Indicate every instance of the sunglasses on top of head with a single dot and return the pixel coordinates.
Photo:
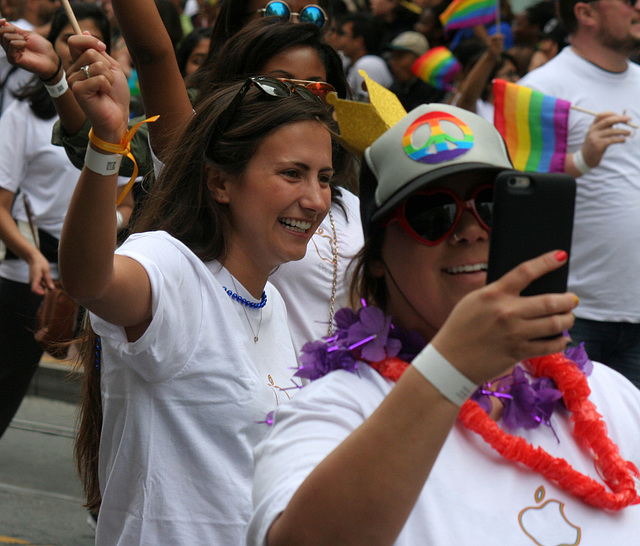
(431, 216)
(275, 88)
(318, 88)
(311, 13)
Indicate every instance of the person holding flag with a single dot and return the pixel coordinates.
(594, 73)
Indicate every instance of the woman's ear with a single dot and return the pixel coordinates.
(218, 184)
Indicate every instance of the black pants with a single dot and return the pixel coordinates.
(19, 353)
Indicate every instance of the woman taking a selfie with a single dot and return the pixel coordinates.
(193, 347)
(380, 451)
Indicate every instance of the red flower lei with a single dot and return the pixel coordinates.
(588, 428)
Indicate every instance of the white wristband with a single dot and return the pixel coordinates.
(58, 89)
(579, 163)
(99, 163)
(436, 369)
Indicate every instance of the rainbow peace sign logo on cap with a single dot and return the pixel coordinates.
(439, 145)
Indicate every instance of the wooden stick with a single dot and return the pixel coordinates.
(594, 114)
(72, 17)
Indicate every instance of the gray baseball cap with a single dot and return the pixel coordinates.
(411, 41)
(430, 142)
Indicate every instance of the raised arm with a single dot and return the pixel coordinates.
(32, 52)
(161, 84)
(114, 287)
(471, 88)
(353, 499)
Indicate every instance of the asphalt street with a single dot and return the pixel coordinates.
(40, 493)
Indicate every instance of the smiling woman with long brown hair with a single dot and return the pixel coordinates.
(193, 346)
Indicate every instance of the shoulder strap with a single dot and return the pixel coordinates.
(32, 226)
(12, 70)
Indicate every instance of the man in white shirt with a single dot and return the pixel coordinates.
(594, 73)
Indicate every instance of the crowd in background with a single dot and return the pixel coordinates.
(185, 77)
(359, 29)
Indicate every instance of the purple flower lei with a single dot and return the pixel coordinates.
(369, 335)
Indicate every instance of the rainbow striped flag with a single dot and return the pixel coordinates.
(468, 13)
(533, 125)
(437, 67)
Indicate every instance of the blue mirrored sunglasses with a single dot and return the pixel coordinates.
(309, 14)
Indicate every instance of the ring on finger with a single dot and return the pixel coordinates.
(85, 69)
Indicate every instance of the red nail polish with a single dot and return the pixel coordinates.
(561, 255)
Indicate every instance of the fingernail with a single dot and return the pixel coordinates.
(576, 301)
(561, 255)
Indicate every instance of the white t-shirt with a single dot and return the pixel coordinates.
(375, 67)
(605, 256)
(40, 170)
(182, 404)
(305, 285)
(473, 495)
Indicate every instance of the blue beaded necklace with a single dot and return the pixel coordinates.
(246, 302)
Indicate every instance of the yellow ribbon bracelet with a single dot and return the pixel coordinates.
(122, 148)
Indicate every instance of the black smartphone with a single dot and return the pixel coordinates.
(532, 214)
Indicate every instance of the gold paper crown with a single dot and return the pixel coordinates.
(362, 123)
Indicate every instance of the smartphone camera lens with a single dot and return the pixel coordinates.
(519, 182)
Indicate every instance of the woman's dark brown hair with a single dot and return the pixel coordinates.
(365, 284)
(181, 204)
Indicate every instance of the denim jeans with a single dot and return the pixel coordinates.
(616, 344)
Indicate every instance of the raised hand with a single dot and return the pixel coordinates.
(495, 44)
(28, 50)
(100, 87)
(494, 327)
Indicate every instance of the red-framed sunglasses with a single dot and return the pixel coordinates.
(431, 216)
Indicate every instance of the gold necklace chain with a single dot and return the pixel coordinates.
(334, 284)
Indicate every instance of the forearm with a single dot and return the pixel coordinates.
(473, 85)
(72, 117)
(143, 31)
(14, 239)
(354, 499)
(88, 240)
(161, 85)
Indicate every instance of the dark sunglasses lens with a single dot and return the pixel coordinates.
(277, 9)
(272, 87)
(312, 14)
(430, 216)
(484, 205)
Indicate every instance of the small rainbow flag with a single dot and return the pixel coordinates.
(533, 125)
(437, 67)
(468, 13)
